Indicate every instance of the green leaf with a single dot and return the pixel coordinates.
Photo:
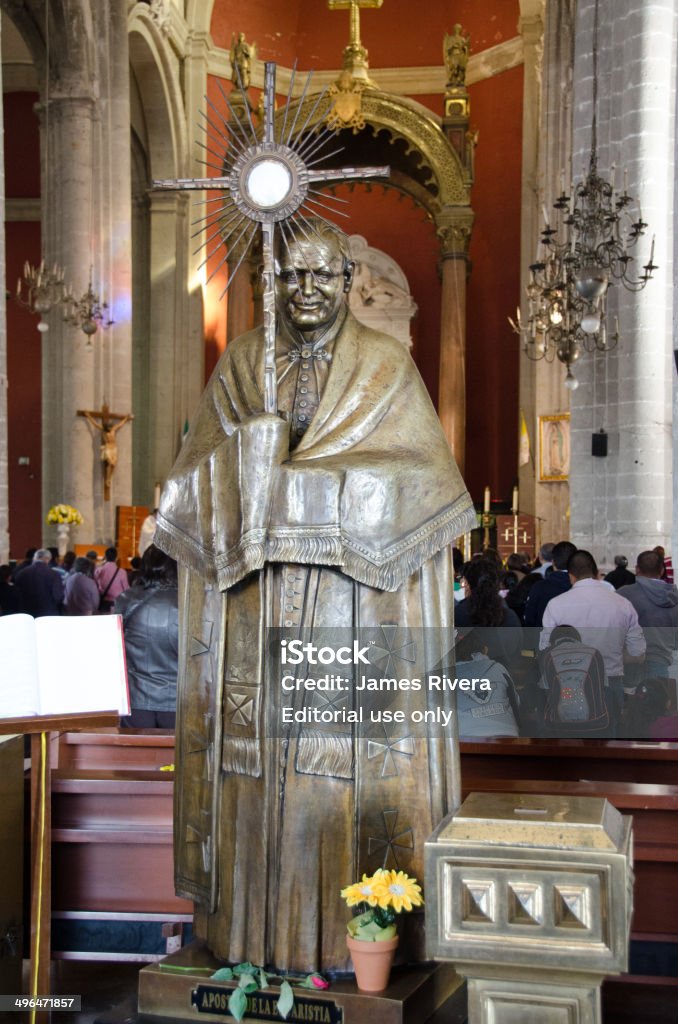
(248, 983)
(246, 968)
(237, 1003)
(286, 1000)
(223, 974)
(263, 978)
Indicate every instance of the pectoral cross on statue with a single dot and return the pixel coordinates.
(104, 421)
(267, 181)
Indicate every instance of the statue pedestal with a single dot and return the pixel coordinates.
(530, 898)
(180, 988)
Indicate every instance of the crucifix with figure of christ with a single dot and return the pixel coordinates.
(267, 178)
(108, 424)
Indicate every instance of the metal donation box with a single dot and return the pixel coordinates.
(531, 898)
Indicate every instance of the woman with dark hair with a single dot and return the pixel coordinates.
(483, 607)
(150, 619)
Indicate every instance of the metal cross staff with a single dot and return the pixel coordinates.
(267, 183)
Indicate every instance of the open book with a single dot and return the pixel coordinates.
(60, 664)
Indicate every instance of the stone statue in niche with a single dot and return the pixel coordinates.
(380, 296)
(456, 47)
(339, 513)
(242, 55)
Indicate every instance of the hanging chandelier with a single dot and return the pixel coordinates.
(88, 313)
(39, 289)
(584, 249)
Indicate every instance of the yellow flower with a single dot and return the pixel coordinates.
(360, 892)
(395, 889)
(64, 514)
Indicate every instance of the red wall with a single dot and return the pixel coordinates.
(492, 352)
(22, 239)
(308, 31)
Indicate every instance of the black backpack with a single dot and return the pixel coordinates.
(575, 679)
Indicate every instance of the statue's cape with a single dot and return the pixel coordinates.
(372, 487)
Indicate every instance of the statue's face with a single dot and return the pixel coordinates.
(311, 282)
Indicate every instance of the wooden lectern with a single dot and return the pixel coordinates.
(39, 728)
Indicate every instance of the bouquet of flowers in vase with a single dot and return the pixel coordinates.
(64, 515)
(380, 899)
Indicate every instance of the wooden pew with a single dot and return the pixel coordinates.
(112, 833)
(115, 750)
(609, 760)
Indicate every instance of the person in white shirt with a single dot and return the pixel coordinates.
(147, 532)
(604, 619)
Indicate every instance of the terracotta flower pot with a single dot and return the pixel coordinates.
(372, 962)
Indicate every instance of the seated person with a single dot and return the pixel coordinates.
(573, 674)
(489, 711)
(645, 713)
(484, 608)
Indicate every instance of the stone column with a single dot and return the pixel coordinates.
(622, 503)
(142, 480)
(4, 491)
(71, 467)
(168, 355)
(85, 191)
(195, 88)
(548, 42)
(454, 230)
(114, 233)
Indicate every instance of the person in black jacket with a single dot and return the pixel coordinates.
(39, 588)
(620, 575)
(555, 583)
(150, 618)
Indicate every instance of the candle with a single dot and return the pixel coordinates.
(514, 503)
(626, 178)
(486, 502)
(652, 249)
(156, 496)
(545, 213)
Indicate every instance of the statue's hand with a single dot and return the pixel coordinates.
(265, 438)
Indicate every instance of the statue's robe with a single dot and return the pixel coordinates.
(351, 529)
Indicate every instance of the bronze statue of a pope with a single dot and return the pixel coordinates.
(338, 513)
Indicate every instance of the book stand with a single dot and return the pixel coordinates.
(38, 727)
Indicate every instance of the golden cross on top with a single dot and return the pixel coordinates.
(354, 7)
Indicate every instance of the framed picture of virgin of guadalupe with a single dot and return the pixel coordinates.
(554, 447)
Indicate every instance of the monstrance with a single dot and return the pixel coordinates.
(266, 183)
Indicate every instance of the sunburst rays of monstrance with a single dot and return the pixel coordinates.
(265, 183)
